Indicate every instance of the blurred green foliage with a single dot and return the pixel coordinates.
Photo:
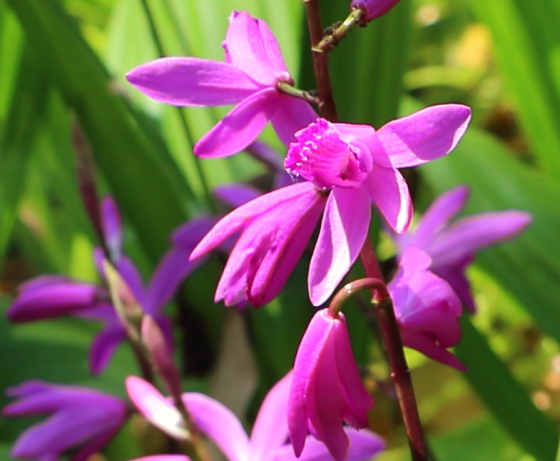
(63, 64)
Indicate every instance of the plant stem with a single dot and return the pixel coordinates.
(388, 325)
(400, 373)
(327, 106)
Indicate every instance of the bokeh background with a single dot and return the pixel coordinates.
(62, 66)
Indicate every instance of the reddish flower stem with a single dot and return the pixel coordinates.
(327, 106)
(400, 373)
(388, 325)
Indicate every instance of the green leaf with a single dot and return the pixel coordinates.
(504, 396)
(527, 42)
(140, 173)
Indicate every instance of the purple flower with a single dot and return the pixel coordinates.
(249, 77)
(348, 168)
(327, 389)
(453, 246)
(54, 296)
(163, 458)
(81, 420)
(373, 8)
(427, 309)
(275, 230)
(270, 431)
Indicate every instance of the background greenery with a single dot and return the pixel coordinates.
(62, 66)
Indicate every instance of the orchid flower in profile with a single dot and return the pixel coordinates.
(327, 389)
(249, 77)
(51, 296)
(269, 437)
(81, 420)
(426, 308)
(347, 169)
(373, 8)
(452, 246)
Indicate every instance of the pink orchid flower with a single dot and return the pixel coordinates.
(249, 77)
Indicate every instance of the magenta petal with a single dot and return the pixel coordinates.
(131, 275)
(112, 226)
(457, 279)
(438, 214)
(236, 195)
(424, 135)
(174, 266)
(389, 191)
(158, 410)
(270, 430)
(428, 347)
(267, 251)
(314, 339)
(343, 232)
(364, 444)
(238, 218)
(240, 126)
(163, 458)
(291, 115)
(219, 424)
(192, 82)
(52, 296)
(471, 234)
(103, 347)
(251, 46)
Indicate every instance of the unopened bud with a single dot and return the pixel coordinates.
(373, 8)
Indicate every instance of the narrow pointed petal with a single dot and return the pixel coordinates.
(471, 234)
(428, 347)
(438, 214)
(251, 46)
(389, 191)
(343, 232)
(163, 458)
(363, 445)
(131, 276)
(174, 267)
(291, 115)
(425, 135)
(112, 226)
(219, 424)
(238, 218)
(103, 347)
(52, 296)
(158, 410)
(270, 430)
(236, 195)
(192, 82)
(240, 126)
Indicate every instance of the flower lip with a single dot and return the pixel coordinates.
(323, 156)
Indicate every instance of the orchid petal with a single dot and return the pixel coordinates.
(174, 267)
(158, 410)
(343, 232)
(420, 342)
(438, 214)
(240, 126)
(389, 191)
(236, 195)
(251, 47)
(192, 82)
(239, 217)
(103, 347)
(163, 458)
(473, 233)
(219, 424)
(425, 135)
(270, 430)
(112, 226)
(363, 445)
(457, 279)
(291, 115)
(131, 276)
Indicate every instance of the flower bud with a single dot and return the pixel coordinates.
(373, 8)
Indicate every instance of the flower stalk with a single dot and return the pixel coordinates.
(381, 301)
(400, 374)
(331, 40)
